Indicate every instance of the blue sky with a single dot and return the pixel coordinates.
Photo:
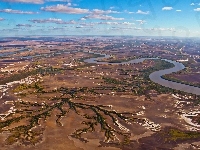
(100, 17)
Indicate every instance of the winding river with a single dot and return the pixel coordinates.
(157, 75)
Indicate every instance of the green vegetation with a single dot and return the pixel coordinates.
(145, 84)
(82, 66)
(17, 77)
(175, 134)
(21, 87)
(141, 83)
(113, 81)
(94, 116)
(22, 75)
(174, 79)
(49, 71)
(114, 60)
(169, 78)
(36, 85)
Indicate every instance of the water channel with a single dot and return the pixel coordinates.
(155, 76)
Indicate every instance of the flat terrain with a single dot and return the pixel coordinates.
(54, 100)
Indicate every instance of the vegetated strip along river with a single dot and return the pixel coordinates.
(157, 75)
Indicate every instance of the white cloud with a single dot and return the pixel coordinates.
(1, 19)
(65, 9)
(111, 23)
(82, 19)
(55, 28)
(58, 1)
(98, 11)
(167, 8)
(142, 12)
(129, 12)
(68, 1)
(17, 11)
(69, 22)
(71, 10)
(124, 28)
(197, 9)
(79, 26)
(102, 17)
(87, 24)
(108, 23)
(161, 29)
(141, 21)
(24, 25)
(50, 20)
(127, 23)
(147, 29)
(26, 1)
(178, 10)
(192, 4)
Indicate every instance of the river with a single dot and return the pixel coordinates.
(157, 75)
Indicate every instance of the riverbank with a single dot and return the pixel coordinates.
(157, 75)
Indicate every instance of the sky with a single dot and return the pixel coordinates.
(100, 17)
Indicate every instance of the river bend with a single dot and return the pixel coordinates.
(157, 75)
